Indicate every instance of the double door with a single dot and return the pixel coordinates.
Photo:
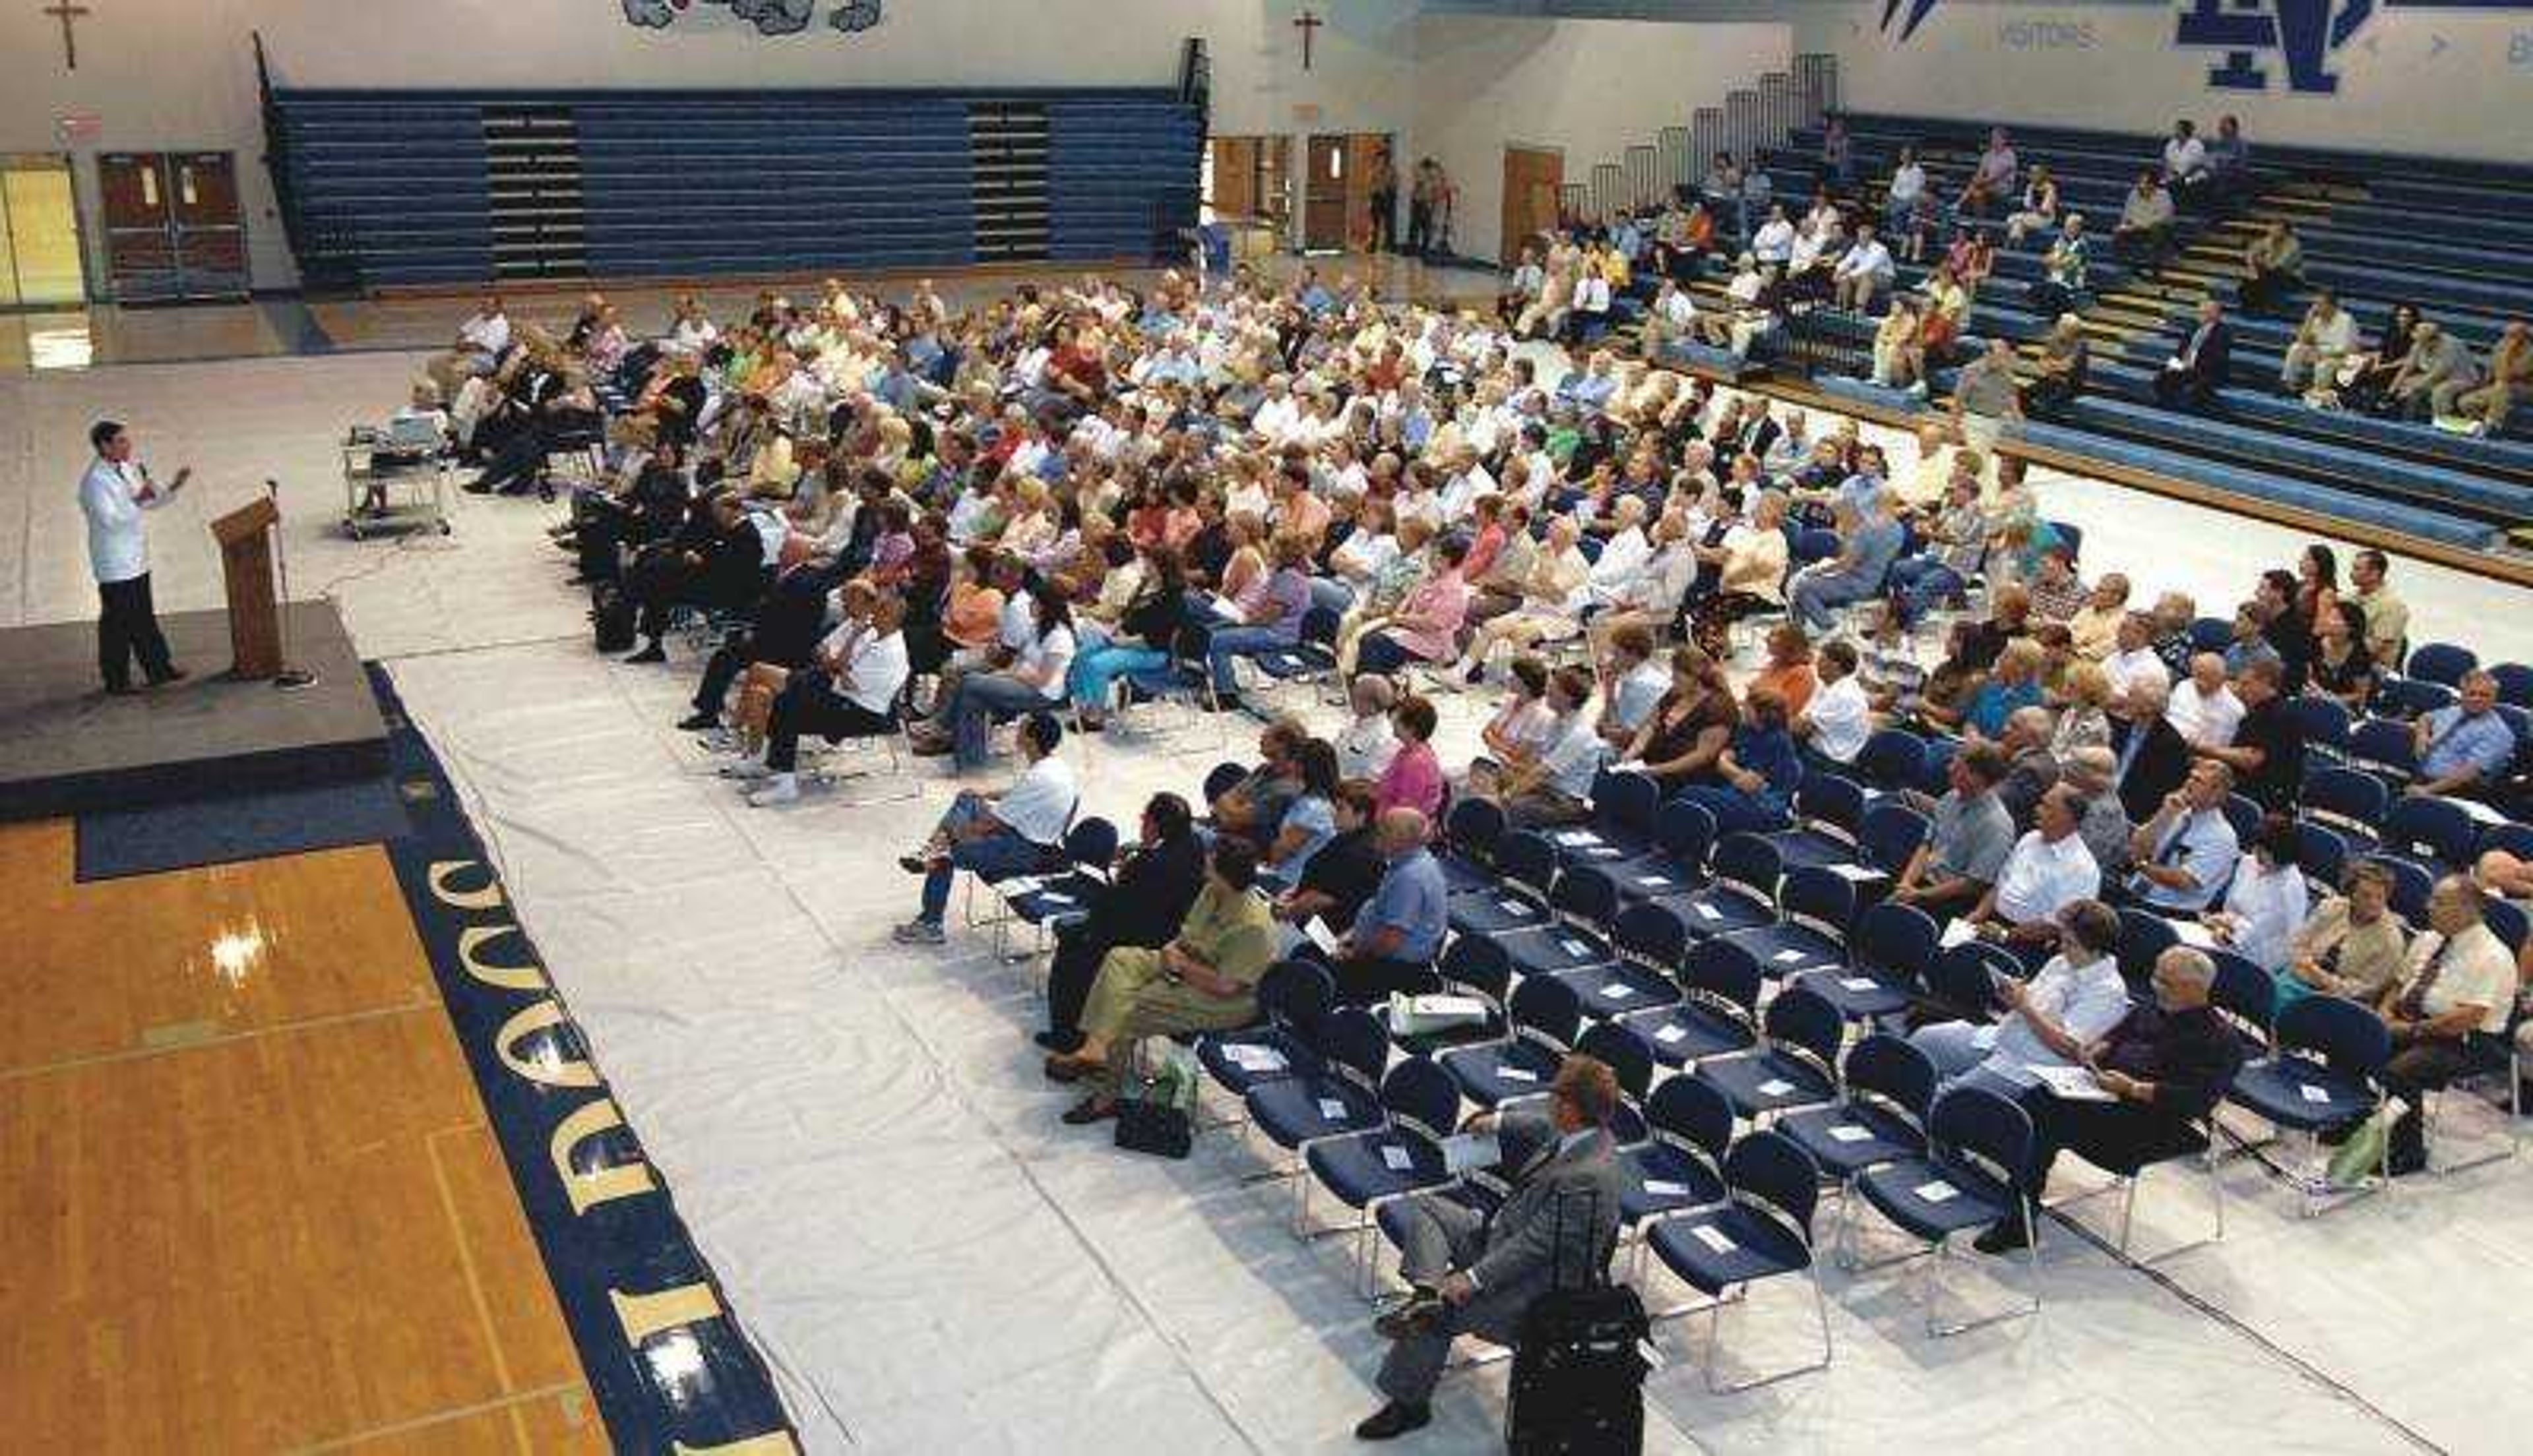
(174, 229)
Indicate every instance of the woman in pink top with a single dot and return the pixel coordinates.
(1426, 627)
(1414, 778)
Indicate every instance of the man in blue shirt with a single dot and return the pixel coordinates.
(2463, 749)
(2186, 853)
(1398, 931)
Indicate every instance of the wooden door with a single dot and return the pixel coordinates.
(1361, 148)
(140, 234)
(210, 227)
(1235, 177)
(1325, 171)
(1532, 176)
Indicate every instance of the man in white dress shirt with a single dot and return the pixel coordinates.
(113, 493)
(2050, 870)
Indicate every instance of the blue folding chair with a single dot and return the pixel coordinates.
(2244, 998)
(1888, 956)
(1471, 966)
(1339, 1094)
(2514, 683)
(2412, 883)
(1624, 808)
(2408, 699)
(1889, 839)
(2210, 634)
(2324, 1075)
(1544, 1018)
(1090, 847)
(2325, 722)
(1880, 1116)
(2437, 835)
(1961, 981)
(1762, 1231)
(2441, 663)
(1646, 948)
(1293, 997)
(1472, 831)
(1310, 660)
(1828, 809)
(1679, 1164)
(1584, 904)
(2144, 936)
(1976, 1171)
(1631, 1064)
(2386, 749)
(1815, 906)
(2321, 854)
(1937, 776)
(1795, 1063)
(1891, 760)
(2351, 801)
(1740, 894)
(1419, 1107)
(1518, 900)
(1717, 1012)
(1676, 866)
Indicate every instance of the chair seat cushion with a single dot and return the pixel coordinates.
(1809, 847)
(1057, 896)
(1463, 875)
(1849, 1139)
(1295, 662)
(1502, 1073)
(1554, 948)
(1859, 995)
(1213, 1054)
(1783, 951)
(1652, 876)
(1714, 1251)
(1368, 1166)
(1597, 848)
(1934, 1199)
(1764, 1083)
(1494, 910)
(1620, 988)
(1719, 911)
(1689, 1032)
(1296, 1109)
(1662, 1179)
(2305, 1095)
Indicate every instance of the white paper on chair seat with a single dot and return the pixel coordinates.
(1956, 932)
(1788, 958)
(1320, 935)
(1936, 1192)
(1017, 885)
(1333, 1109)
(1621, 991)
(1858, 874)
(1515, 1074)
(1708, 910)
(2475, 810)
(1572, 947)
(2192, 933)
(1654, 882)
(1669, 1034)
(1396, 1157)
(1662, 1190)
(1052, 896)
(1250, 1058)
(1514, 907)
(1859, 984)
(2312, 1093)
(1576, 838)
(1465, 1150)
(1712, 1236)
(1775, 1086)
(1850, 1133)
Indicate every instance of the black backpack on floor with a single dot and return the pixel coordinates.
(1578, 1385)
(611, 615)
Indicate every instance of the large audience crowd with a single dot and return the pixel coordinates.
(893, 516)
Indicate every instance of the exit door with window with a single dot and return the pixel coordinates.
(39, 238)
(173, 227)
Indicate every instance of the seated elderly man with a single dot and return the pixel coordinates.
(1967, 844)
(1017, 831)
(1205, 979)
(1398, 933)
(2050, 1021)
(2091, 771)
(2459, 986)
(2464, 749)
(2185, 852)
(2048, 870)
(1254, 807)
(1472, 1273)
(2165, 1066)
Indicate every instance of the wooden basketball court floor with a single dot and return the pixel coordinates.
(250, 1201)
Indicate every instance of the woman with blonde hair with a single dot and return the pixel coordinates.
(2085, 721)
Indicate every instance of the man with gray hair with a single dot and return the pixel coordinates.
(2105, 827)
(2164, 1066)
(2033, 769)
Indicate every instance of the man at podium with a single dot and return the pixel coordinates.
(113, 494)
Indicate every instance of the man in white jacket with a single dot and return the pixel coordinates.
(113, 493)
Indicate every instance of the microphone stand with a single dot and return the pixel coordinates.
(289, 678)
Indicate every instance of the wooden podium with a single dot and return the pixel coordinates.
(255, 615)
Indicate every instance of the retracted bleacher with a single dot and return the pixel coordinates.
(388, 189)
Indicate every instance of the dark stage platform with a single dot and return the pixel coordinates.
(68, 748)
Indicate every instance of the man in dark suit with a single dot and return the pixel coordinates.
(2190, 377)
(1142, 906)
(2154, 757)
(1473, 1274)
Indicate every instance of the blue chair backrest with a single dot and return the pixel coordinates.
(2383, 743)
(1626, 1054)
(1220, 779)
(2324, 720)
(1653, 933)
(1587, 895)
(1478, 962)
(1977, 1127)
(1964, 976)
(1889, 1067)
(2431, 829)
(2210, 634)
(1693, 1112)
(1897, 938)
(2321, 852)
(2512, 838)
(1296, 994)
(1889, 834)
(2072, 535)
(1936, 776)
(1352, 1038)
(2412, 883)
(1548, 1006)
(1685, 831)
(1818, 899)
(1769, 1168)
(2242, 992)
(1319, 625)
(1590, 545)
(2514, 683)
(1091, 844)
(2347, 798)
(1419, 1094)
(1750, 862)
(1627, 802)
(1474, 828)
(2144, 936)
(2244, 815)
(1725, 972)
(1805, 1019)
(2408, 698)
(1816, 544)
(1828, 799)
(2508, 922)
(2347, 1037)
(1892, 759)
(2441, 663)
(1527, 858)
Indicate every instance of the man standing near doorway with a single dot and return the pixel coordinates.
(1384, 202)
(113, 493)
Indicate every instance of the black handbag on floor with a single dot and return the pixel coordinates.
(611, 615)
(1156, 1109)
(1578, 1385)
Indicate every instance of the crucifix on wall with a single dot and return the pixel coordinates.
(1308, 25)
(70, 15)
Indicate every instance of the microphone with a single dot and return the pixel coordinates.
(272, 488)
